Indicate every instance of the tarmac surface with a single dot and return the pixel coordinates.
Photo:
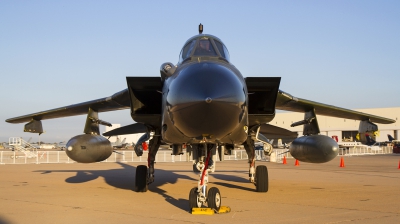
(366, 190)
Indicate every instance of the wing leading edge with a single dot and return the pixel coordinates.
(288, 102)
(117, 101)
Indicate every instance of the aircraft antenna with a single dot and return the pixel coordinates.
(200, 28)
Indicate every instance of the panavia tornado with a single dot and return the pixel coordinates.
(204, 103)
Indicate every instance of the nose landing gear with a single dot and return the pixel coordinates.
(198, 196)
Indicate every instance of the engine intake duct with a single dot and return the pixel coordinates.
(314, 149)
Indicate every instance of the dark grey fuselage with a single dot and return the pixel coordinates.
(205, 101)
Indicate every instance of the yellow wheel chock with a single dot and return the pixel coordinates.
(210, 211)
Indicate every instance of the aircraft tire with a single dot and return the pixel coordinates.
(261, 179)
(214, 198)
(194, 199)
(141, 179)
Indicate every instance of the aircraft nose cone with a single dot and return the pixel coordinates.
(206, 99)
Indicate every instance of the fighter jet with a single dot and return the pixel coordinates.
(205, 103)
(390, 137)
(62, 145)
(118, 144)
(6, 145)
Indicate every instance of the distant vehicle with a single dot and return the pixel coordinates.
(371, 142)
(47, 146)
(396, 146)
(347, 145)
(377, 146)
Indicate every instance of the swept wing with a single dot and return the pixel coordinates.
(288, 102)
(117, 101)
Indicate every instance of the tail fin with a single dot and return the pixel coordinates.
(118, 141)
(123, 141)
(370, 141)
(280, 144)
(390, 138)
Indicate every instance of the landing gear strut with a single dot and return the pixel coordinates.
(258, 176)
(145, 174)
(198, 196)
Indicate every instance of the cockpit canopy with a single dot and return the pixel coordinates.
(204, 45)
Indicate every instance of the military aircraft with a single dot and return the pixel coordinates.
(118, 144)
(6, 145)
(62, 145)
(205, 103)
(390, 137)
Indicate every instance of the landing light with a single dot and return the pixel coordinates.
(69, 148)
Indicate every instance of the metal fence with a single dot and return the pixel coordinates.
(365, 150)
(16, 157)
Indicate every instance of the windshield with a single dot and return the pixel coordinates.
(187, 50)
(204, 47)
(222, 50)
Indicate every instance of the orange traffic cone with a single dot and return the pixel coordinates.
(297, 163)
(284, 160)
(341, 162)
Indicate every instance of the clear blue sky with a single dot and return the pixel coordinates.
(57, 53)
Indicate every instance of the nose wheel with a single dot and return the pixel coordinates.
(194, 199)
(214, 199)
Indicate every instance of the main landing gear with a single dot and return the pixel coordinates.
(141, 179)
(258, 176)
(198, 196)
(145, 174)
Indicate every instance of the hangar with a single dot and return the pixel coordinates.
(345, 129)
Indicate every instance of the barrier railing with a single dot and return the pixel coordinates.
(365, 150)
(16, 157)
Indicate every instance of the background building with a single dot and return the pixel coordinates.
(343, 128)
(133, 138)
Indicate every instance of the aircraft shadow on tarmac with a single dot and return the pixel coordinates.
(226, 177)
(230, 178)
(124, 179)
